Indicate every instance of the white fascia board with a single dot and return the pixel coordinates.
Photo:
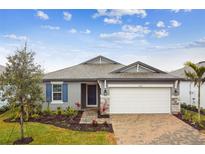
(56, 82)
(139, 85)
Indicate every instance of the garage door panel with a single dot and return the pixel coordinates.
(140, 100)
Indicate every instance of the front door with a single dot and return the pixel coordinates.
(91, 99)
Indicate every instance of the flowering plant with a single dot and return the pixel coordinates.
(78, 105)
(104, 107)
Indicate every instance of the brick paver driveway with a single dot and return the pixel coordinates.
(154, 129)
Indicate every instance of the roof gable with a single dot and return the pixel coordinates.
(100, 60)
(138, 67)
(181, 72)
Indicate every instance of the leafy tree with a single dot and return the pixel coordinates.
(21, 82)
(197, 76)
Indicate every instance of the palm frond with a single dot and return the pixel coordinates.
(190, 75)
(201, 71)
(193, 66)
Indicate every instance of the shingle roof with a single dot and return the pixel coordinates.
(138, 63)
(180, 72)
(2, 68)
(86, 71)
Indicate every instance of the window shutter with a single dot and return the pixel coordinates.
(65, 92)
(48, 92)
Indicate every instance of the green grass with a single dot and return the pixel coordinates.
(49, 134)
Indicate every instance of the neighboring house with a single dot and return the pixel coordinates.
(188, 92)
(2, 68)
(135, 88)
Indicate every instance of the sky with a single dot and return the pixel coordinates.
(165, 39)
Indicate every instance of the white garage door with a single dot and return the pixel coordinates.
(139, 100)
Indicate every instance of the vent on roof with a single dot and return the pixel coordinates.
(138, 67)
(100, 60)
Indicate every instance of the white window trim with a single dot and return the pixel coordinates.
(57, 101)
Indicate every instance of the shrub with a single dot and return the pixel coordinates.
(203, 111)
(59, 111)
(47, 112)
(38, 109)
(189, 107)
(71, 111)
(194, 108)
(194, 119)
(187, 116)
(183, 111)
(183, 105)
(35, 116)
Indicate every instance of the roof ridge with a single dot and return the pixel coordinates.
(100, 56)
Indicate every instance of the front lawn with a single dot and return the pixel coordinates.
(49, 134)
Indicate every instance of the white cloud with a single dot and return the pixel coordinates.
(128, 34)
(67, 16)
(160, 24)
(42, 15)
(73, 31)
(119, 37)
(120, 12)
(161, 33)
(175, 23)
(50, 27)
(15, 37)
(138, 29)
(87, 31)
(147, 23)
(180, 10)
(195, 44)
(112, 20)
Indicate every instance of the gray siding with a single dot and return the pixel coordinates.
(74, 95)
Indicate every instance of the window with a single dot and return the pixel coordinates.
(57, 92)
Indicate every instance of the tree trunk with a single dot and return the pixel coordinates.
(21, 121)
(199, 108)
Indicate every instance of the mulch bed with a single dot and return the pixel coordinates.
(72, 123)
(25, 140)
(92, 128)
(56, 119)
(196, 126)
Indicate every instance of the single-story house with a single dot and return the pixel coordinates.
(2, 68)
(100, 82)
(188, 92)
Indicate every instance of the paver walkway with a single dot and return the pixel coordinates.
(154, 129)
(91, 114)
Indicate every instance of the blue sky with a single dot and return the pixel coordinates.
(61, 38)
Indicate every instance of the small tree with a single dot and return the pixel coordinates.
(197, 76)
(21, 82)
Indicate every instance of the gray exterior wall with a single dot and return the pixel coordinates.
(74, 95)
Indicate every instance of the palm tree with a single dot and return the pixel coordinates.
(197, 76)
